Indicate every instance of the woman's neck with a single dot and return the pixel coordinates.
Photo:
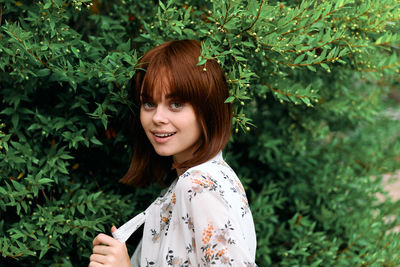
(180, 171)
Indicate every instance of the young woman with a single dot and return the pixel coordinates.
(204, 217)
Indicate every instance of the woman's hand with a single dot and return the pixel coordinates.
(109, 252)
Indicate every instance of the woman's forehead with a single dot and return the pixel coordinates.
(156, 87)
(156, 93)
(165, 83)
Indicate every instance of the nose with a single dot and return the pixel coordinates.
(160, 115)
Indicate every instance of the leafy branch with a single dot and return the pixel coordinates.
(27, 49)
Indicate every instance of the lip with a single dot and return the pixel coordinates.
(162, 140)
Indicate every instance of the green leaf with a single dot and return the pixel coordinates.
(81, 208)
(45, 181)
(43, 72)
(95, 141)
(230, 99)
(15, 119)
(187, 13)
(299, 58)
(339, 3)
(161, 5)
(325, 66)
(47, 4)
(312, 68)
(3, 191)
(202, 61)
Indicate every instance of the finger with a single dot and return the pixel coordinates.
(97, 258)
(104, 239)
(102, 250)
(113, 229)
(95, 264)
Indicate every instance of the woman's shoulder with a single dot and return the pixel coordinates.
(213, 165)
(214, 176)
(214, 169)
(198, 177)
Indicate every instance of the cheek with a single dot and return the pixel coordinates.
(196, 129)
(199, 130)
(143, 119)
(196, 126)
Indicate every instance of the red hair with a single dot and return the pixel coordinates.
(204, 87)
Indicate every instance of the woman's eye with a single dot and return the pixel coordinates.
(148, 105)
(176, 105)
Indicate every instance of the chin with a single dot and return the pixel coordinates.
(163, 153)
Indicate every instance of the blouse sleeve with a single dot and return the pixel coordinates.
(216, 229)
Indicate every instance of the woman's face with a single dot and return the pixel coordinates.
(171, 127)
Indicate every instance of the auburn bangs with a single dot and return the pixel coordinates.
(173, 71)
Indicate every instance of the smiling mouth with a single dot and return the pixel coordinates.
(164, 135)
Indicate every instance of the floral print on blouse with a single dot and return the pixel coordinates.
(203, 219)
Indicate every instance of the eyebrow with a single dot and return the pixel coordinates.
(169, 96)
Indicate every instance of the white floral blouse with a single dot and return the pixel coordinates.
(203, 219)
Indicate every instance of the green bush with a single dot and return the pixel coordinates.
(313, 77)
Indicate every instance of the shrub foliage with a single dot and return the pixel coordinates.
(310, 81)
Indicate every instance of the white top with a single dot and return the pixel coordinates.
(202, 219)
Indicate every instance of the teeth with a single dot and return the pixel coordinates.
(163, 135)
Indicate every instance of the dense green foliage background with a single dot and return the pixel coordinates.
(318, 79)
